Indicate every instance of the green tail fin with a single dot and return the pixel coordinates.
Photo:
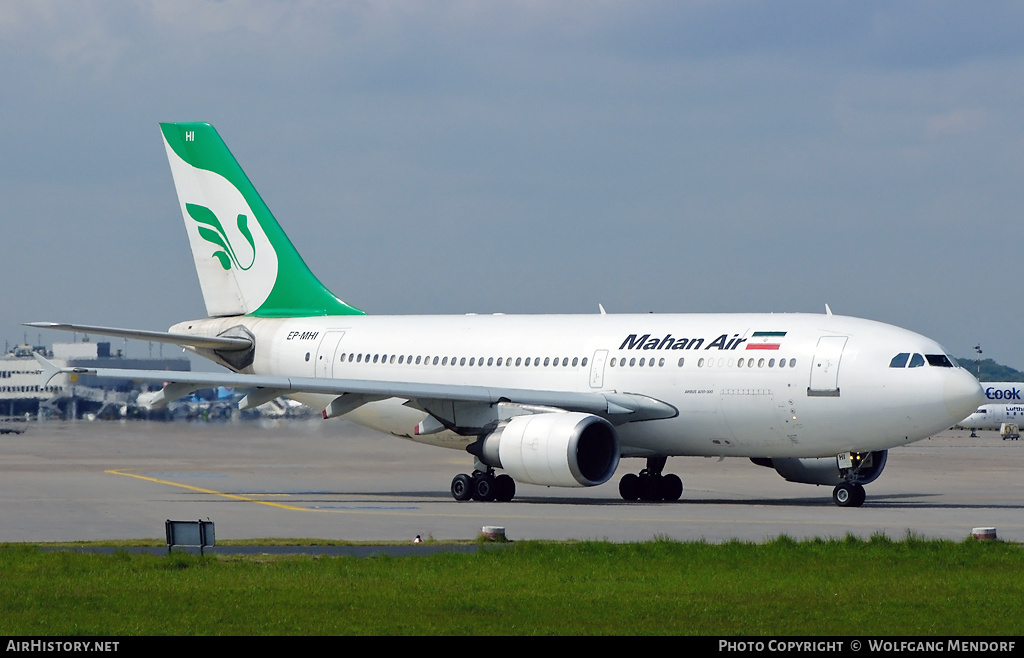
(246, 263)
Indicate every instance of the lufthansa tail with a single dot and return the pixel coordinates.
(246, 263)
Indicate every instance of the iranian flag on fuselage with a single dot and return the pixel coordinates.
(765, 340)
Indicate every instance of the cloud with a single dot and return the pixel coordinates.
(561, 153)
(956, 122)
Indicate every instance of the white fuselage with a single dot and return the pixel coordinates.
(992, 416)
(751, 385)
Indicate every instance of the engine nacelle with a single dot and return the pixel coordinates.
(825, 470)
(559, 449)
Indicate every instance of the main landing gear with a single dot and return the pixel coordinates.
(483, 486)
(849, 494)
(651, 484)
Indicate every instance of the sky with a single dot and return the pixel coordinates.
(530, 157)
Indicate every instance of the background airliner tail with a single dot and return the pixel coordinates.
(246, 263)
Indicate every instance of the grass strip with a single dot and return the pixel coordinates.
(784, 587)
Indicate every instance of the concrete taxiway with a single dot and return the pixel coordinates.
(335, 480)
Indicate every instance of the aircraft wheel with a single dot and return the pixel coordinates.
(650, 487)
(848, 495)
(671, 487)
(859, 495)
(483, 488)
(462, 487)
(629, 487)
(504, 488)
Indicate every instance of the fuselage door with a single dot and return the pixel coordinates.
(326, 353)
(825, 367)
(597, 369)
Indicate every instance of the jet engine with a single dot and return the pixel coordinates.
(561, 449)
(826, 470)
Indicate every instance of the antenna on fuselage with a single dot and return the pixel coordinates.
(828, 311)
(601, 308)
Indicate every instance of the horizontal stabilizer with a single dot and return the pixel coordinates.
(222, 343)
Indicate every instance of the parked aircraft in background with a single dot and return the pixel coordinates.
(551, 400)
(992, 417)
(1004, 405)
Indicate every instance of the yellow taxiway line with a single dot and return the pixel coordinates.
(247, 499)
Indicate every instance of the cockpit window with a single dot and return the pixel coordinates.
(900, 360)
(939, 360)
(916, 361)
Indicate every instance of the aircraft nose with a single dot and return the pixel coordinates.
(963, 394)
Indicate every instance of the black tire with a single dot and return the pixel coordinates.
(671, 487)
(483, 488)
(650, 487)
(504, 488)
(462, 487)
(629, 487)
(848, 495)
(859, 495)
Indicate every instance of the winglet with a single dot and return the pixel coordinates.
(50, 370)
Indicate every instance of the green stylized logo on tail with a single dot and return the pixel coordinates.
(219, 238)
(280, 285)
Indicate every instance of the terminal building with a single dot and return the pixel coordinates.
(72, 396)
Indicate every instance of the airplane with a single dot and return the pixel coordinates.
(552, 400)
(992, 415)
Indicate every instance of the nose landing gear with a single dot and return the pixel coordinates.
(855, 468)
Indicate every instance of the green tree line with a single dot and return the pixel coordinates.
(990, 371)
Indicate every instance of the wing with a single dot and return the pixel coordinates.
(350, 394)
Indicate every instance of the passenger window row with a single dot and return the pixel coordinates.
(402, 359)
(642, 362)
(702, 363)
(747, 363)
